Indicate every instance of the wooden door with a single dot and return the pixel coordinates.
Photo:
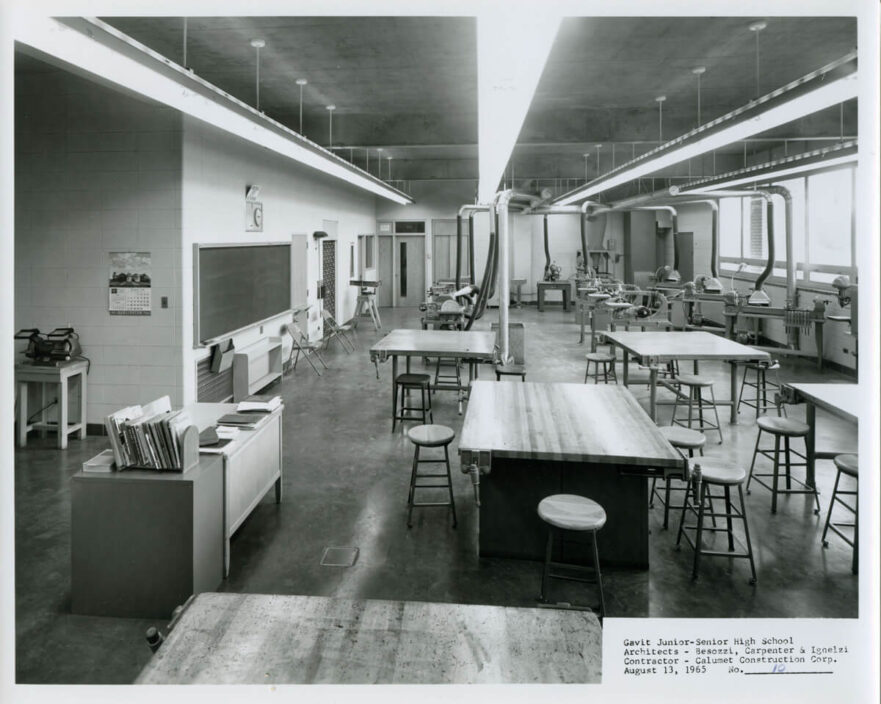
(385, 270)
(409, 252)
(299, 279)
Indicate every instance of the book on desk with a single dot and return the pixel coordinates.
(152, 436)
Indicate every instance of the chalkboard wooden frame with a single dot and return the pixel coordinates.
(197, 249)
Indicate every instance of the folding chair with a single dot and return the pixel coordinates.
(332, 329)
(301, 344)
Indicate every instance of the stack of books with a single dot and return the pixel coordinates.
(148, 436)
(257, 404)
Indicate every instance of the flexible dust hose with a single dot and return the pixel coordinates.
(547, 248)
(673, 233)
(584, 256)
(769, 264)
(492, 279)
(714, 244)
(458, 252)
(480, 303)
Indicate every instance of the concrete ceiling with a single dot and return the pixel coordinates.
(408, 85)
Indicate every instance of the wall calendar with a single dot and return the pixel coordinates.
(130, 283)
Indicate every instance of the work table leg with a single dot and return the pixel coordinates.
(733, 391)
(62, 412)
(83, 405)
(811, 444)
(23, 414)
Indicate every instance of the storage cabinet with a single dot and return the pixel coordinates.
(143, 541)
(256, 366)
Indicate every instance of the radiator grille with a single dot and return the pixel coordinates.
(212, 388)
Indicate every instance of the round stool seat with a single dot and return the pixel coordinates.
(571, 512)
(722, 474)
(431, 435)
(413, 379)
(847, 464)
(783, 426)
(694, 380)
(684, 438)
(510, 369)
(599, 357)
(768, 364)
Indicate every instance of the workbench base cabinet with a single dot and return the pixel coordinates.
(143, 541)
(510, 526)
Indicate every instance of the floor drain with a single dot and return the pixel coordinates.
(339, 557)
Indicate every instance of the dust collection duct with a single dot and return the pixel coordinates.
(758, 297)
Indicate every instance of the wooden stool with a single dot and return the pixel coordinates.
(849, 465)
(575, 513)
(786, 428)
(607, 359)
(681, 439)
(455, 377)
(407, 383)
(695, 384)
(704, 476)
(510, 370)
(761, 384)
(430, 436)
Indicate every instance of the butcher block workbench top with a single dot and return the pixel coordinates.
(280, 639)
(567, 422)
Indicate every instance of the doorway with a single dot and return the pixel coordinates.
(328, 275)
(409, 280)
(385, 270)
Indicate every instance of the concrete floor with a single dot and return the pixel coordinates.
(346, 481)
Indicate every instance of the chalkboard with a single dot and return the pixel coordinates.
(239, 286)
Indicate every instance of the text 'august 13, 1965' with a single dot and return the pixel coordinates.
(763, 655)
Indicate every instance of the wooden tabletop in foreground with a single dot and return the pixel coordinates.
(596, 423)
(840, 399)
(281, 639)
(436, 343)
(665, 346)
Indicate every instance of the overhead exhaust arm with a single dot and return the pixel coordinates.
(458, 251)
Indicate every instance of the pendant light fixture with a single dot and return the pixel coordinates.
(258, 44)
(301, 82)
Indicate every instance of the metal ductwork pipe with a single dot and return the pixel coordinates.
(471, 248)
(458, 252)
(791, 291)
(758, 296)
(502, 201)
(673, 274)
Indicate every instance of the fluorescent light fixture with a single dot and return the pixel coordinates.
(828, 86)
(96, 49)
(816, 160)
(513, 44)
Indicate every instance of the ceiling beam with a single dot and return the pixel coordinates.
(513, 44)
(93, 48)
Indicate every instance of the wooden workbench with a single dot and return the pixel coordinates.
(275, 639)
(467, 345)
(63, 375)
(565, 287)
(541, 439)
(654, 349)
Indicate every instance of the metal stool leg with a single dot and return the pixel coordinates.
(450, 486)
(753, 463)
(411, 498)
(543, 597)
(749, 545)
(776, 473)
(829, 513)
(599, 576)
